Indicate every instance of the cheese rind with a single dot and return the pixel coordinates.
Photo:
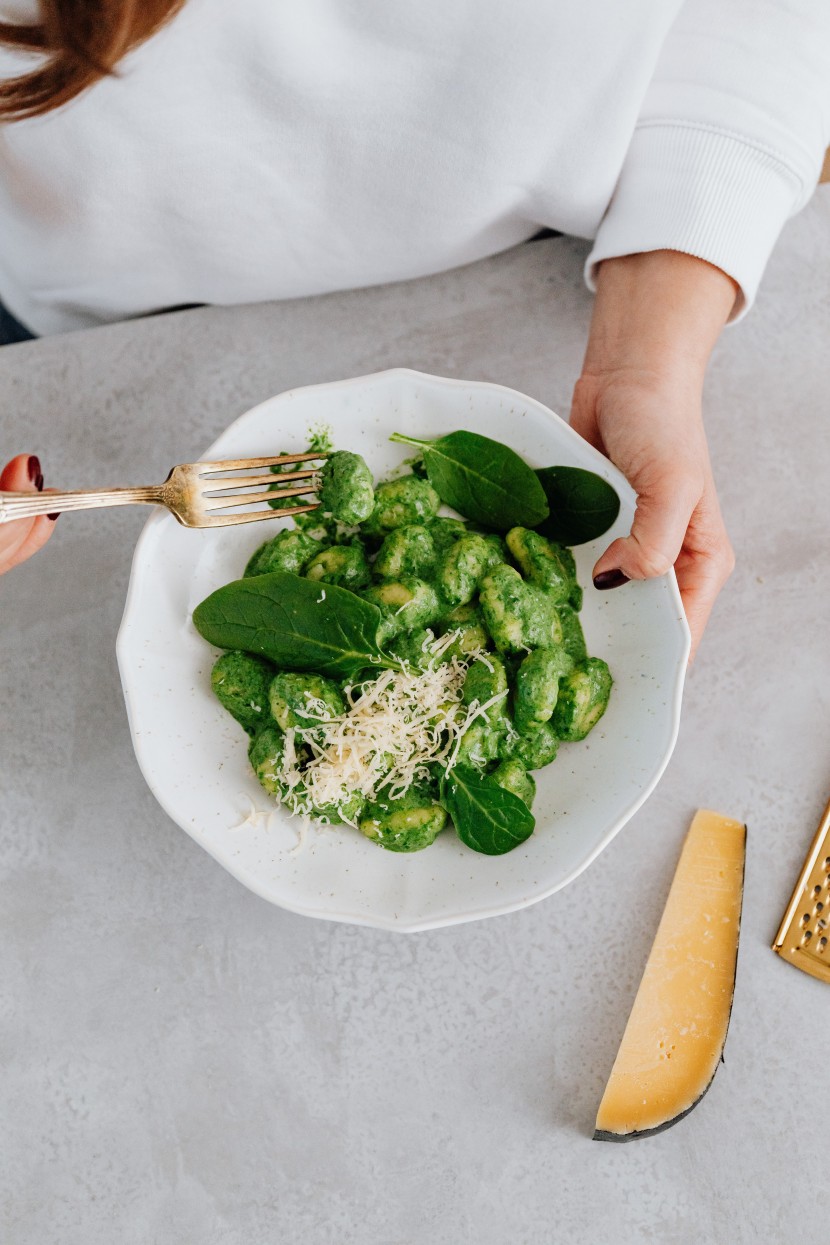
(676, 1032)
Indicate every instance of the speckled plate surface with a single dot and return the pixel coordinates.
(193, 755)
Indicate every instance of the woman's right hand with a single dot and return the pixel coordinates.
(20, 539)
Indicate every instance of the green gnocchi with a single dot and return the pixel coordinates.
(476, 661)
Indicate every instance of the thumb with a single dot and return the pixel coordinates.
(23, 537)
(583, 416)
(661, 520)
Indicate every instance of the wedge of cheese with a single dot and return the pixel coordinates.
(677, 1028)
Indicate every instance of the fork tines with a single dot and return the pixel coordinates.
(243, 464)
(227, 491)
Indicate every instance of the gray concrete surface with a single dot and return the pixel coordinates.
(182, 1062)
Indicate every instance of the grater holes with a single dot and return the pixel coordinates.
(804, 935)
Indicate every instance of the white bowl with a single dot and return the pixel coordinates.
(193, 755)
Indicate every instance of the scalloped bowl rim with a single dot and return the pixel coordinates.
(501, 905)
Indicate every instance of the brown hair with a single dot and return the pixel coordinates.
(79, 42)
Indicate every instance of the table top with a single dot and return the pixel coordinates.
(184, 1062)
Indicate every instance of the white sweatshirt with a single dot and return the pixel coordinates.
(268, 149)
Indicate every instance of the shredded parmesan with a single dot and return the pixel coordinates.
(475, 710)
(253, 816)
(305, 822)
(395, 728)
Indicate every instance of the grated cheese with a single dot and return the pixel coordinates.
(253, 816)
(305, 822)
(394, 729)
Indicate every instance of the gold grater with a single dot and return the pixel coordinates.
(804, 936)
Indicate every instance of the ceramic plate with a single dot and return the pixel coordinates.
(193, 754)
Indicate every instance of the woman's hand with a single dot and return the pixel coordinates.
(657, 317)
(20, 539)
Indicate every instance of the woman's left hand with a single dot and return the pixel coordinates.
(639, 400)
(652, 429)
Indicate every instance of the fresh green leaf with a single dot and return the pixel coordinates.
(488, 818)
(294, 622)
(484, 480)
(582, 505)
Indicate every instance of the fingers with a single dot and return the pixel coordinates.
(700, 584)
(19, 540)
(664, 509)
(703, 561)
(677, 521)
(40, 530)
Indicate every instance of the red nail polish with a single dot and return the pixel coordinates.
(54, 516)
(610, 579)
(35, 474)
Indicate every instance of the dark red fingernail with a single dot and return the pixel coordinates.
(610, 579)
(54, 516)
(35, 474)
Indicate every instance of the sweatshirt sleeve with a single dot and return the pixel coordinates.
(730, 138)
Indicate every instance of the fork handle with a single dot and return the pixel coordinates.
(29, 505)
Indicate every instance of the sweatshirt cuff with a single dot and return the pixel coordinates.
(701, 191)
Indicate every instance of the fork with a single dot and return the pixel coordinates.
(196, 494)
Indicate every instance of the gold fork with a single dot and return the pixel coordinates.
(197, 494)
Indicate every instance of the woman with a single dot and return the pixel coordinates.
(169, 153)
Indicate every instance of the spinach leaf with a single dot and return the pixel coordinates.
(482, 479)
(295, 623)
(487, 818)
(582, 505)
